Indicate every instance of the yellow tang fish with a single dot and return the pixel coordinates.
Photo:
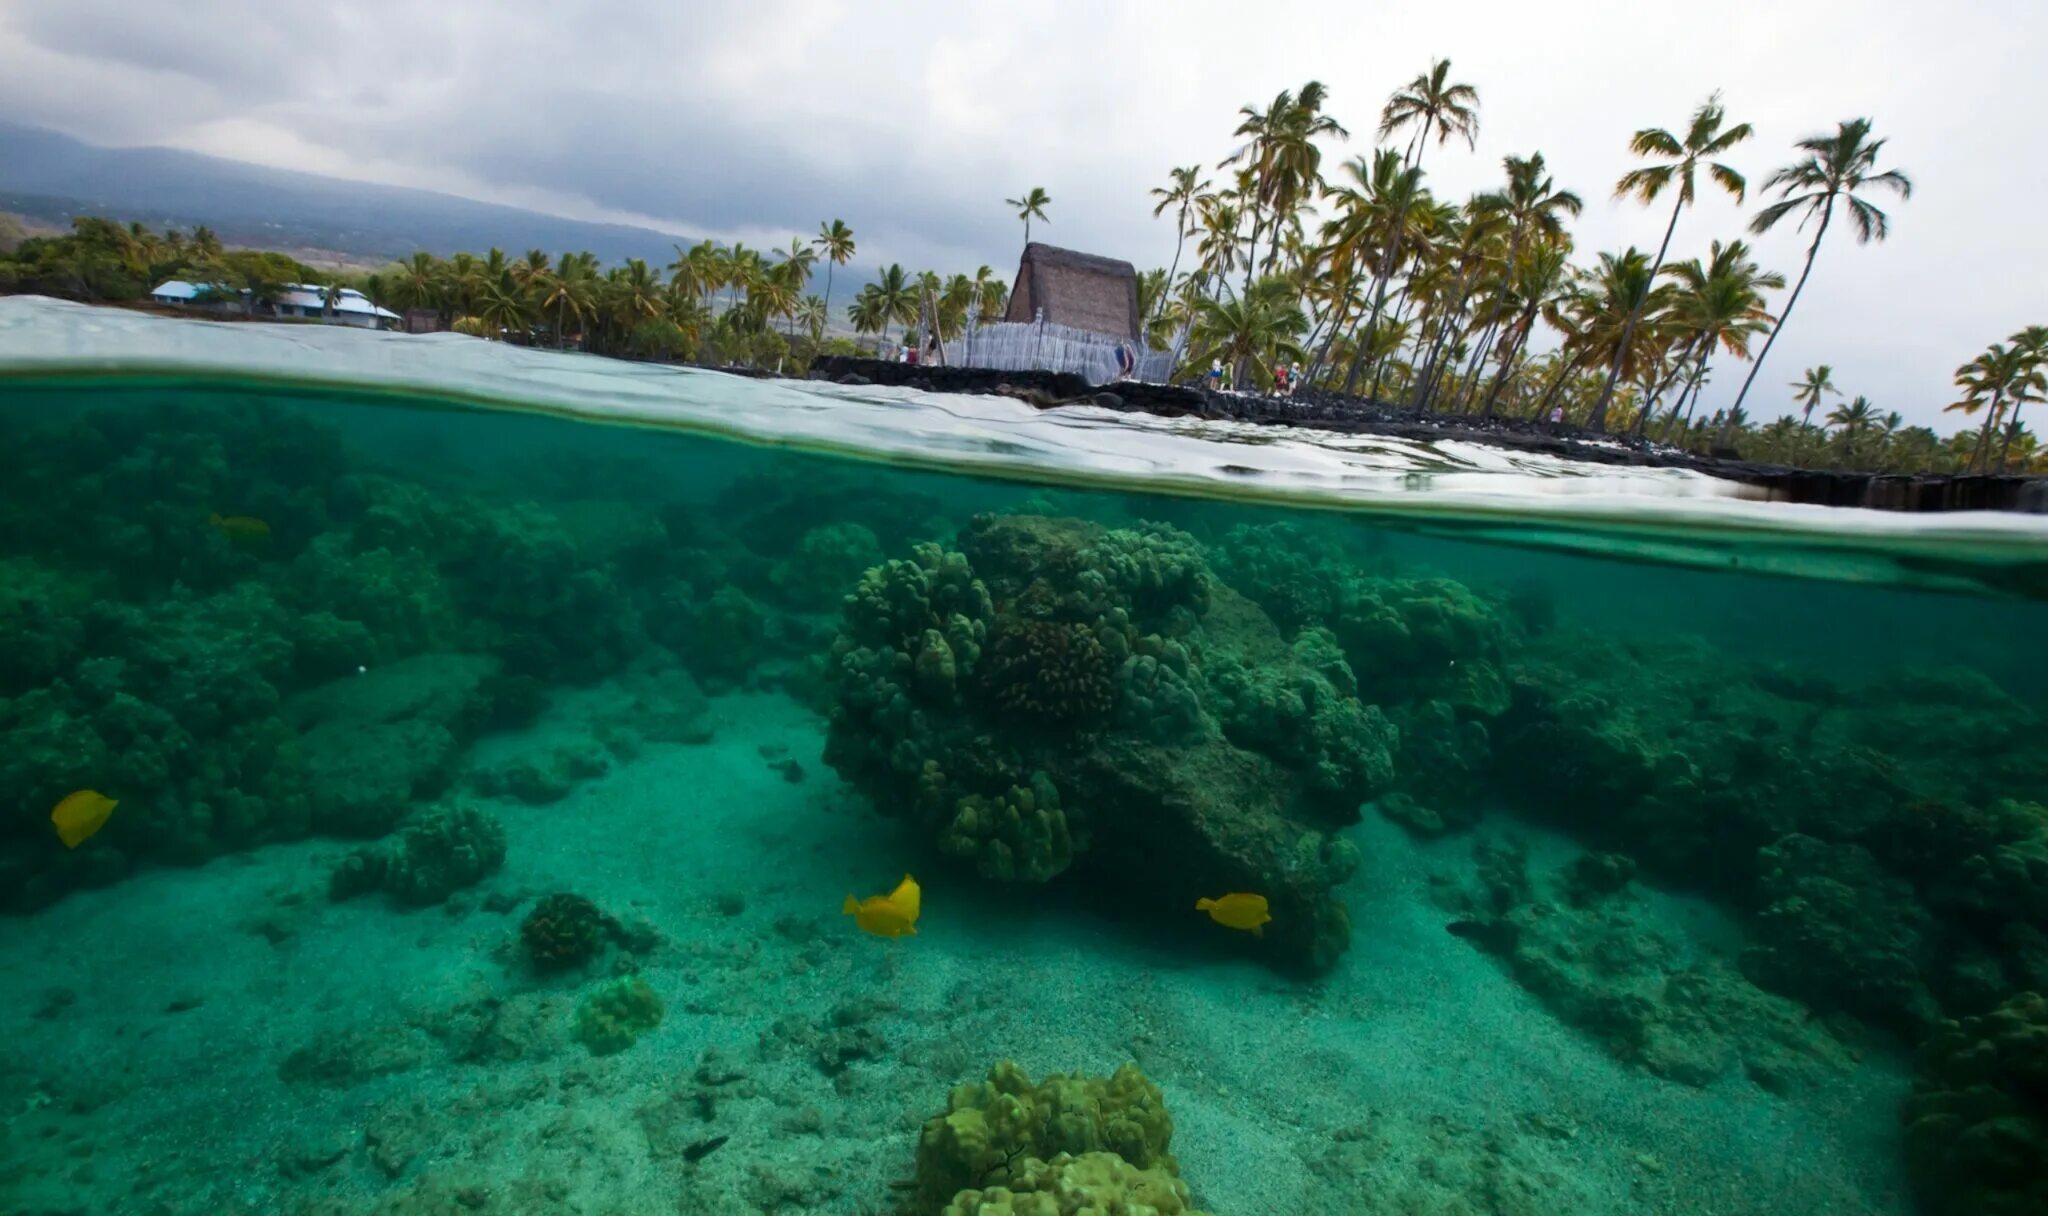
(1238, 911)
(80, 815)
(891, 915)
(243, 529)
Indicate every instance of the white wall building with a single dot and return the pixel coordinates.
(303, 300)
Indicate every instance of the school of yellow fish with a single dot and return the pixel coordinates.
(895, 914)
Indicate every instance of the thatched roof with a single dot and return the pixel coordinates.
(1077, 289)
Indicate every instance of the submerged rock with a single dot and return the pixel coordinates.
(1977, 1119)
(1589, 950)
(440, 852)
(378, 743)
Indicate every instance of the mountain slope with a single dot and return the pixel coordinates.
(50, 177)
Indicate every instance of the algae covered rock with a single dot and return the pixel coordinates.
(1838, 932)
(1088, 1184)
(992, 1129)
(564, 930)
(1977, 1120)
(613, 1017)
(1584, 943)
(438, 853)
(378, 743)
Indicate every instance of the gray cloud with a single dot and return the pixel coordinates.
(914, 121)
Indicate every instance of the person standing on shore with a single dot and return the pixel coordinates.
(1215, 375)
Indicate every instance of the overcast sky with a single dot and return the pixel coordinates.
(913, 122)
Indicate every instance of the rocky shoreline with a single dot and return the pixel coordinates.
(1353, 415)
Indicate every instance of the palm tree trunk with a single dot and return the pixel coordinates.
(1690, 396)
(2011, 428)
(1251, 260)
(1499, 306)
(1598, 421)
(1425, 388)
(1564, 372)
(1180, 238)
(1527, 325)
(1790, 301)
(1510, 368)
(828, 293)
(1984, 438)
(1642, 425)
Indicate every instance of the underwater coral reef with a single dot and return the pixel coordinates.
(1113, 703)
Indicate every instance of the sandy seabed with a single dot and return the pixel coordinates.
(225, 1040)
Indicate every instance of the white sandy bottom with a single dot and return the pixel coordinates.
(1417, 1079)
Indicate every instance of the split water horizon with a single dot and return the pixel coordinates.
(436, 775)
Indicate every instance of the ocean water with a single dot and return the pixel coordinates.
(496, 738)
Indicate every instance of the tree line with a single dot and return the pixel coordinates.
(1369, 283)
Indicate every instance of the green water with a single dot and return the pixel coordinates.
(486, 810)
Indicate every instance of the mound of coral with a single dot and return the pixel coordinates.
(615, 1015)
(1092, 1184)
(563, 931)
(1977, 1120)
(1063, 1138)
(1053, 693)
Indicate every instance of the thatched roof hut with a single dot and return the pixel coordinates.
(1076, 289)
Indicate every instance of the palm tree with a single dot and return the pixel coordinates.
(1540, 274)
(2032, 345)
(418, 283)
(570, 289)
(1180, 193)
(1704, 138)
(896, 296)
(1987, 382)
(1835, 168)
(1619, 291)
(531, 271)
(794, 275)
(1378, 208)
(1531, 202)
(1032, 204)
(1808, 390)
(687, 272)
(1289, 163)
(811, 315)
(994, 295)
(1218, 249)
(636, 294)
(835, 241)
(1432, 105)
(1857, 415)
(1718, 304)
(868, 314)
